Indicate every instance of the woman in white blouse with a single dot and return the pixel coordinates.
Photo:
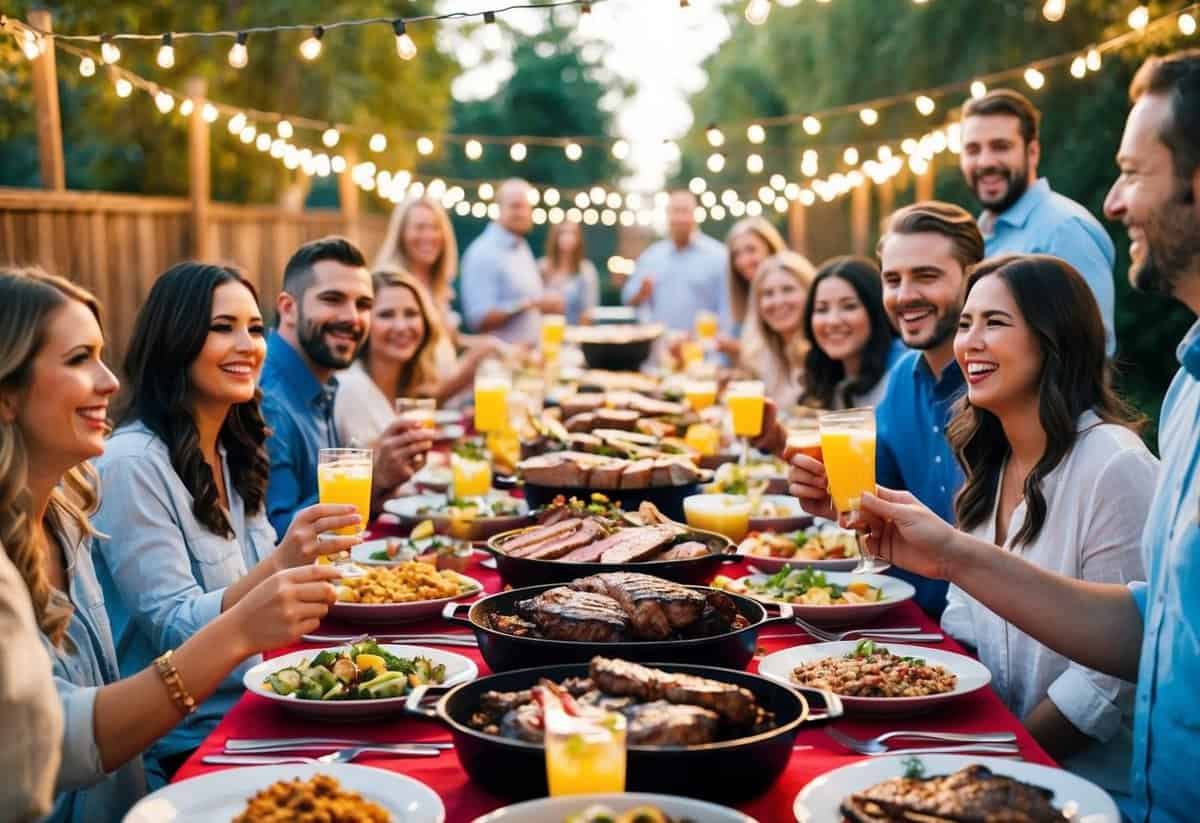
(1055, 472)
(778, 295)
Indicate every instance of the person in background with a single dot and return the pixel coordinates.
(1141, 632)
(778, 295)
(851, 346)
(680, 276)
(750, 241)
(566, 270)
(420, 241)
(502, 290)
(182, 530)
(398, 359)
(1056, 473)
(1021, 214)
(54, 396)
(324, 314)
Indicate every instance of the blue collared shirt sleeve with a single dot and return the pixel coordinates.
(482, 283)
(284, 497)
(1137, 590)
(887, 468)
(147, 556)
(81, 764)
(640, 270)
(1092, 257)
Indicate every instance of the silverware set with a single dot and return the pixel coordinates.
(992, 743)
(278, 751)
(432, 639)
(907, 634)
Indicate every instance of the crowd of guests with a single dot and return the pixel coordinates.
(146, 566)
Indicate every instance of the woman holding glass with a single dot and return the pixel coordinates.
(182, 531)
(54, 397)
(567, 271)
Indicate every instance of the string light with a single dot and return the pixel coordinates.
(310, 48)
(424, 146)
(1139, 18)
(124, 87)
(850, 156)
(1093, 59)
(237, 123)
(166, 52)
(377, 143)
(209, 113)
(109, 53)
(697, 185)
(238, 55)
(263, 141)
(1034, 78)
(1079, 67)
(716, 138)
(518, 152)
(716, 162)
(754, 163)
(978, 89)
(330, 137)
(248, 134)
(473, 149)
(620, 149)
(811, 125)
(284, 129)
(186, 106)
(87, 66)
(869, 117)
(1053, 10)
(778, 181)
(164, 102)
(757, 11)
(755, 133)
(492, 36)
(573, 151)
(1187, 24)
(405, 46)
(925, 105)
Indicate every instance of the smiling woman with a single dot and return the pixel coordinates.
(777, 298)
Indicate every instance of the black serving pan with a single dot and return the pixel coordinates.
(691, 571)
(728, 772)
(668, 499)
(504, 652)
(624, 356)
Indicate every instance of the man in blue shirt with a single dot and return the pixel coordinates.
(1144, 632)
(1021, 215)
(324, 315)
(502, 290)
(682, 275)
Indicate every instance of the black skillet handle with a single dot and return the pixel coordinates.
(785, 612)
(450, 612)
(822, 705)
(420, 694)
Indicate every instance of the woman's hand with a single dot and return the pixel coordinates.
(302, 544)
(283, 607)
(902, 531)
(400, 453)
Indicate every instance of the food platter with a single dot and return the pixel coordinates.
(820, 801)
(558, 809)
(970, 675)
(413, 509)
(403, 612)
(814, 546)
(894, 592)
(409, 550)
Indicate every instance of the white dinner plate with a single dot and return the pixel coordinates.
(361, 554)
(972, 675)
(219, 797)
(557, 809)
(398, 612)
(771, 565)
(895, 592)
(459, 669)
(820, 800)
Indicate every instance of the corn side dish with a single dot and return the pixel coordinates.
(405, 583)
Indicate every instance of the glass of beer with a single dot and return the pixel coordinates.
(805, 441)
(344, 476)
(848, 452)
(745, 401)
(417, 409)
(585, 754)
(700, 393)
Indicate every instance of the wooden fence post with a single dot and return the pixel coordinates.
(199, 172)
(860, 217)
(45, 98)
(798, 227)
(348, 195)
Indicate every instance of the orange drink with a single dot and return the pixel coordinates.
(727, 514)
(706, 325)
(585, 754)
(745, 402)
(344, 476)
(700, 394)
(491, 403)
(472, 478)
(690, 353)
(848, 451)
(703, 438)
(417, 409)
(802, 441)
(553, 327)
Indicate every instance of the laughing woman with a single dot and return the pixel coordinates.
(778, 295)
(751, 241)
(54, 397)
(183, 531)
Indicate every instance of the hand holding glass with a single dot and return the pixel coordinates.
(848, 452)
(344, 476)
(417, 409)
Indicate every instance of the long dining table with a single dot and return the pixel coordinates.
(816, 752)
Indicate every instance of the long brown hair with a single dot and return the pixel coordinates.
(1061, 312)
(28, 298)
(419, 376)
(392, 256)
(552, 255)
(738, 286)
(778, 355)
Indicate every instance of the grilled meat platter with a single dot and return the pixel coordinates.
(973, 794)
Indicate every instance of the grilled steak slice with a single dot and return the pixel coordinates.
(565, 614)
(656, 607)
(970, 795)
(524, 543)
(720, 615)
(621, 677)
(588, 532)
(639, 540)
(666, 724)
(684, 551)
(511, 624)
(642, 543)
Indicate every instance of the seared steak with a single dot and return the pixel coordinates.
(588, 531)
(684, 551)
(970, 795)
(566, 614)
(621, 677)
(666, 724)
(624, 546)
(656, 607)
(535, 537)
(720, 615)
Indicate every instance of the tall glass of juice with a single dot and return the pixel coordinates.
(700, 393)
(848, 451)
(706, 326)
(344, 476)
(745, 401)
(585, 754)
(491, 402)
(553, 328)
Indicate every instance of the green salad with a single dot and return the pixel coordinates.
(813, 588)
(362, 671)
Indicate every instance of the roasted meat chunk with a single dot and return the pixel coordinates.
(620, 677)
(660, 723)
(970, 795)
(566, 614)
(656, 607)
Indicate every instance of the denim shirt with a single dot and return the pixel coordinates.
(163, 572)
(299, 411)
(86, 661)
(1167, 719)
(912, 452)
(498, 272)
(687, 281)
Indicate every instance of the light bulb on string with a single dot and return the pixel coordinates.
(424, 146)
(87, 66)
(486, 191)
(1187, 24)
(248, 134)
(551, 197)
(209, 113)
(620, 149)
(238, 55)
(186, 107)
(755, 133)
(405, 47)
(1079, 67)
(757, 11)
(124, 87)
(473, 149)
(493, 38)
(377, 143)
(32, 45)
(697, 185)
(811, 125)
(1034, 78)
(310, 49)
(978, 89)
(779, 182)
(925, 104)
(1053, 10)
(716, 162)
(1093, 59)
(596, 195)
(518, 152)
(850, 156)
(164, 101)
(284, 129)
(1139, 18)
(330, 137)
(263, 141)
(237, 123)
(869, 117)
(166, 52)
(573, 151)
(715, 137)
(754, 163)
(109, 53)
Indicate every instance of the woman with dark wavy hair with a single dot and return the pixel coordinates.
(851, 344)
(183, 526)
(1055, 472)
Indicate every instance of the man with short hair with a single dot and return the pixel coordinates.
(1144, 632)
(682, 275)
(1021, 214)
(502, 289)
(324, 315)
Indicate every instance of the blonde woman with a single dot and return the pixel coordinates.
(54, 397)
(566, 270)
(778, 295)
(751, 241)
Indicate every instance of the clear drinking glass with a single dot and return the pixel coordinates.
(700, 393)
(745, 401)
(848, 452)
(417, 409)
(344, 476)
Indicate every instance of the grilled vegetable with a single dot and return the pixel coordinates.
(285, 681)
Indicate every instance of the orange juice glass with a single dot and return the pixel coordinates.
(703, 438)
(472, 478)
(848, 452)
(344, 476)
(700, 394)
(727, 514)
(745, 401)
(491, 403)
(803, 441)
(553, 327)
(691, 353)
(706, 325)
(417, 409)
(585, 755)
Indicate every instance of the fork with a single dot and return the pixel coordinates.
(465, 640)
(316, 744)
(903, 634)
(340, 756)
(875, 745)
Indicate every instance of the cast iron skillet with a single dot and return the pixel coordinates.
(504, 652)
(728, 771)
(693, 571)
(668, 499)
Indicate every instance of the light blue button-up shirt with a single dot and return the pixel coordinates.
(498, 272)
(164, 573)
(86, 661)
(687, 281)
(1045, 222)
(1167, 712)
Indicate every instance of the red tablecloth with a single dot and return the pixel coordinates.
(255, 716)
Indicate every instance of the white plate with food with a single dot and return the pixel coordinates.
(854, 787)
(393, 551)
(878, 677)
(408, 591)
(354, 680)
(226, 795)
(823, 545)
(615, 808)
(481, 517)
(777, 513)
(824, 598)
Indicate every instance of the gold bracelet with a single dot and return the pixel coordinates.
(174, 683)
